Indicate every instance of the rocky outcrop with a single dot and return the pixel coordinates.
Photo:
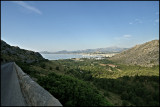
(146, 54)
(34, 94)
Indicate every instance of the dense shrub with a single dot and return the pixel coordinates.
(134, 90)
(71, 91)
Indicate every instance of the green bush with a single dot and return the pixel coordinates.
(71, 91)
(43, 65)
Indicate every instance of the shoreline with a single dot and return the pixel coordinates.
(86, 54)
(82, 55)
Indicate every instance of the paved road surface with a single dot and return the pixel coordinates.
(11, 94)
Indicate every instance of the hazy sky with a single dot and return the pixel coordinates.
(76, 25)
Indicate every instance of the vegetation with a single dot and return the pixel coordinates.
(71, 91)
(146, 54)
(12, 53)
(138, 90)
(105, 68)
(90, 82)
(133, 85)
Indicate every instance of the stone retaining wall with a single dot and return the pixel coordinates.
(34, 94)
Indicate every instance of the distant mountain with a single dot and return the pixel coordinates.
(146, 54)
(45, 52)
(98, 50)
(14, 53)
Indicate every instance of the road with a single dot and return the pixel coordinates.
(11, 94)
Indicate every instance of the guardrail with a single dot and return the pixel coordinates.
(34, 94)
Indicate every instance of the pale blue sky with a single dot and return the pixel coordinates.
(76, 25)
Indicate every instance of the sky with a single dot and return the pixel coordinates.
(77, 25)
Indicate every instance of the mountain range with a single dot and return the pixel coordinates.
(146, 54)
(98, 50)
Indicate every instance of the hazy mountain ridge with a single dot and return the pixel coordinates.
(98, 50)
(14, 53)
(146, 54)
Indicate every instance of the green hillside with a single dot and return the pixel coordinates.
(146, 54)
(14, 53)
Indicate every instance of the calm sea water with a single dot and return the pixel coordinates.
(65, 56)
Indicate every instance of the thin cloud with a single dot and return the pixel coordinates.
(127, 36)
(27, 6)
(124, 37)
(130, 23)
(136, 21)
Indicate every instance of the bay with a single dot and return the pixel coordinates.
(67, 56)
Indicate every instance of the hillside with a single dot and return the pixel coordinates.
(12, 53)
(146, 54)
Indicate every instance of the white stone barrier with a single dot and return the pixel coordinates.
(34, 94)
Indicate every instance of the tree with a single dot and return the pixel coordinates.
(124, 96)
(125, 103)
(57, 68)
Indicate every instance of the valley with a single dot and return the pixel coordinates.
(120, 85)
(80, 53)
(88, 81)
